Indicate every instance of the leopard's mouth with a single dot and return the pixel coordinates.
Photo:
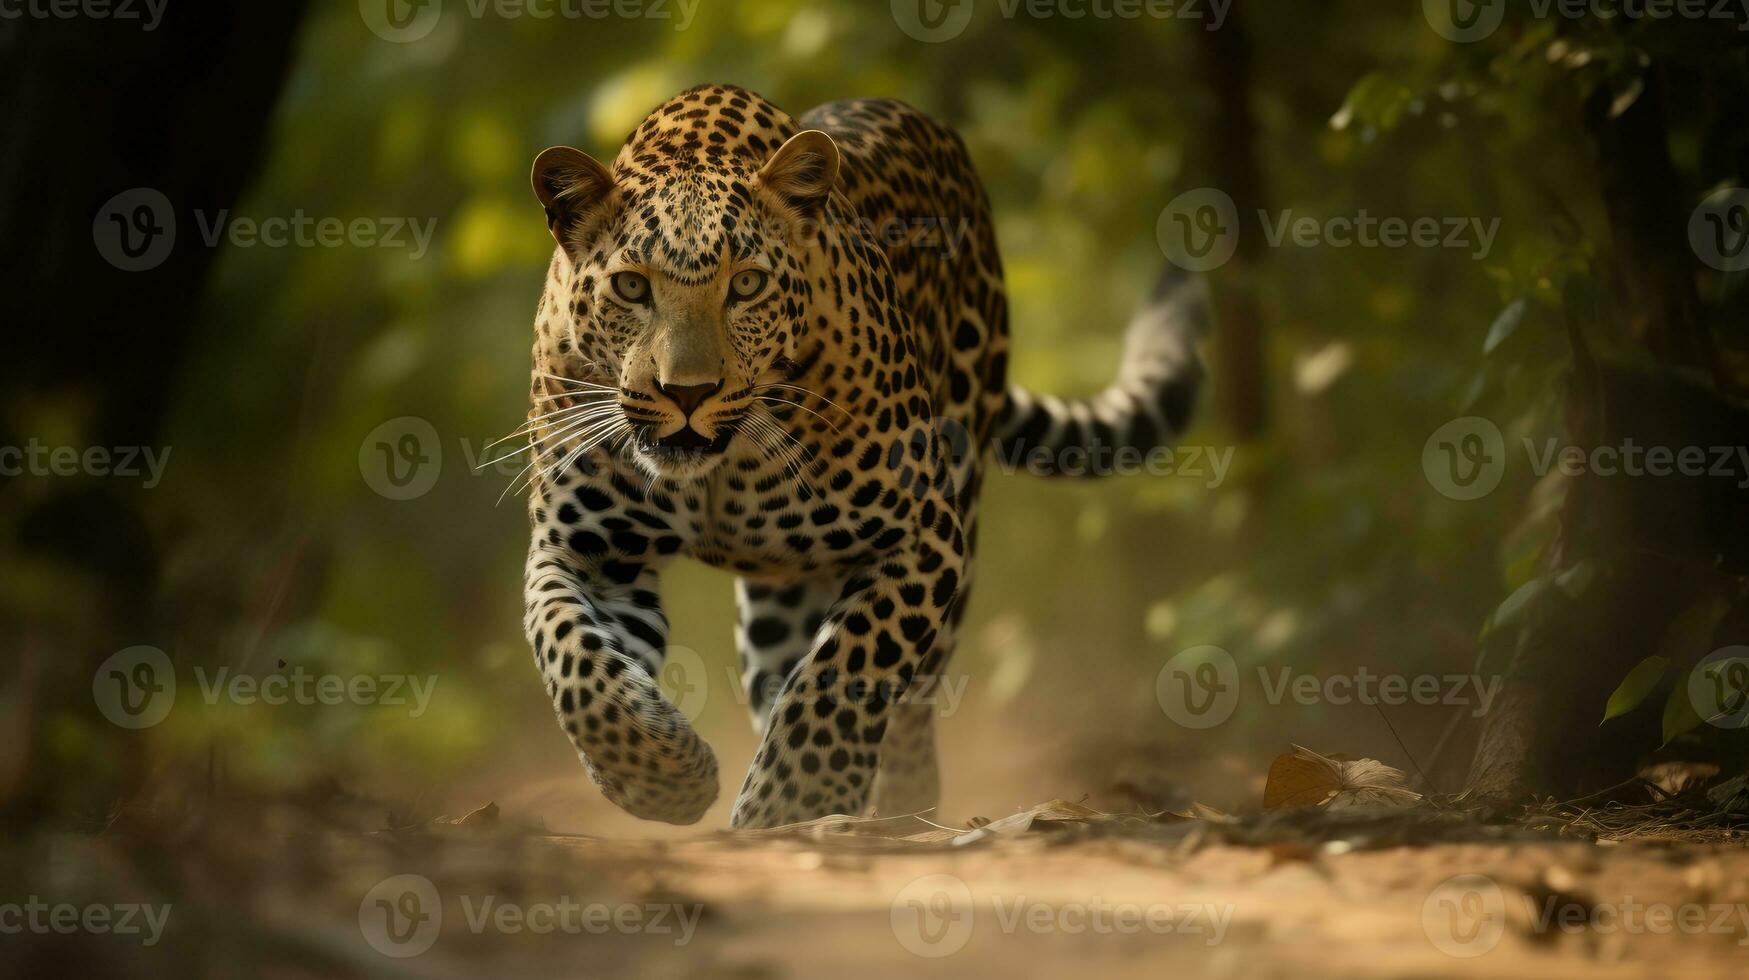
(685, 452)
(689, 439)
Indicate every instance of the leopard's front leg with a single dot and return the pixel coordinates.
(598, 634)
(822, 747)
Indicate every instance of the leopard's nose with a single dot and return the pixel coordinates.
(690, 397)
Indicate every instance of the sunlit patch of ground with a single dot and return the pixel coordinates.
(1292, 893)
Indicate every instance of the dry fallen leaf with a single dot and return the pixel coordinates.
(1306, 778)
(1674, 777)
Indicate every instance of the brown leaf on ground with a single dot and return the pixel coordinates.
(485, 816)
(1307, 778)
(1674, 777)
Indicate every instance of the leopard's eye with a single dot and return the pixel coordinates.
(631, 287)
(746, 284)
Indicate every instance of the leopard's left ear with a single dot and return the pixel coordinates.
(803, 170)
(571, 185)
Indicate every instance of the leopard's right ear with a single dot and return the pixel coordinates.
(571, 185)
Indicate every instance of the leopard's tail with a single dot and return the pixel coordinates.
(1146, 407)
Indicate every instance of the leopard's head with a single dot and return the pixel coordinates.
(686, 272)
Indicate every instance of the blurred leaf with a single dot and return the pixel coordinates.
(1517, 606)
(1626, 95)
(1505, 325)
(1680, 717)
(1577, 578)
(1377, 100)
(1636, 686)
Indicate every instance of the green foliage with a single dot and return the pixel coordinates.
(1636, 686)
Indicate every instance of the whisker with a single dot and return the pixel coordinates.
(807, 391)
(534, 430)
(550, 418)
(585, 442)
(589, 440)
(579, 382)
(581, 430)
(563, 433)
(772, 437)
(578, 395)
(786, 401)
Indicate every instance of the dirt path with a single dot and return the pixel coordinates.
(1102, 901)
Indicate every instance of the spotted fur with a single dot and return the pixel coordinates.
(751, 352)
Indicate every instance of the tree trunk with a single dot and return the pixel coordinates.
(98, 107)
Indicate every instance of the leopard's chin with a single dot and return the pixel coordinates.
(678, 464)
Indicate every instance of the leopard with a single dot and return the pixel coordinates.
(778, 346)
